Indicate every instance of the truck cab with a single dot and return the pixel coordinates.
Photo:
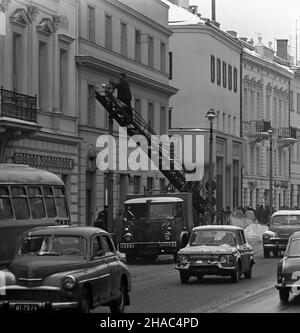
(155, 224)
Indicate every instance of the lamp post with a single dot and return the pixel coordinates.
(211, 116)
(270, 132)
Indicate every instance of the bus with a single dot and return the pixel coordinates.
(29, 198)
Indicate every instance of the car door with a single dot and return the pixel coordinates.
(112, 260)
(248, 251)
(243, 249)
(101, 277)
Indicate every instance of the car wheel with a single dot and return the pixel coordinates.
(118, 305)
(284, 295)
(184, 277)
(248, 275)
(266, 253)
(236, 275)
(84, 306)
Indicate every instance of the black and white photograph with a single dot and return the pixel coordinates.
(149, 159)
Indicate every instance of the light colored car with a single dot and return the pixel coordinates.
(216, 250)
(65, 268)
(282, 225)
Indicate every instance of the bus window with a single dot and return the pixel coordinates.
(6, 212)
(20, 203)
(49, 201)
(61, 202)
(36, 202)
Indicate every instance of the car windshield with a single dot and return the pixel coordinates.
(162, 210)
(53, 246)
(286, 220)
(136, 211)
(212, 238)
(294, 248)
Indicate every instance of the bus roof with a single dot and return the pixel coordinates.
(23, 174)
(153, 199)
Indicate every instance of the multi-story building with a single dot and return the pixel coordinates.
(266, 79)
(206, 70)
(113, 37)
(38, 119)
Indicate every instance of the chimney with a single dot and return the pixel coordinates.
(213, 10)
(232, 33)
(282, 48)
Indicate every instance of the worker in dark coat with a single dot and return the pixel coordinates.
(102, 219)
(124, 93)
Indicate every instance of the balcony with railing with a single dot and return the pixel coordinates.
(18, 106)
(256, 130)
(286, 136)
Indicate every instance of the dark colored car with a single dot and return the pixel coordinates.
(216, 250)
(282, 225)
(65, 268)
(288, 270)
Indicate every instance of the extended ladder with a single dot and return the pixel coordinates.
(138, 126)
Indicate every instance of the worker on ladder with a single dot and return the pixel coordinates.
(124, 93)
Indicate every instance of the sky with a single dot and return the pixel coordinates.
(270, 19)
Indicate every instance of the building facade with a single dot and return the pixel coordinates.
(38, 119)
(266, 84)
(119, 36)
(206, 70)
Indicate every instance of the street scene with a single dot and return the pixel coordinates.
(149, 157)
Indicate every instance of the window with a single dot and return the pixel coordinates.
(170, 65)
(17, 62)
(234, 126)
(6, 212)
(61, 202)
(108, 32)
(163, 57)
(49, 201)
(292, 101)
(20, 203)
(258, 164)
(224, 122)
(224, 74)
(91, 105)
(36, 202)
(235, 79)
(218, 72)
(230, 77)
(138, 106)
(298, 103)
(97, 250)
(43, 74)
(170, 117)
(91, 24)
(163, 120)
(63, 79)
(150, 115)
(212, 69)
(138, 49)
(258, 117)
(252, 160)
(124, 39)
(229, 124)
(149, 183)
(150, 51)
(162, 184)
(107, 245)
(136, 184)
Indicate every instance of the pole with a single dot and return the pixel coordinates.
(210, 172)
(110, 177)
(271, 177)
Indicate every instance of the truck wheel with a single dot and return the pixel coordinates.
(184, 277)
(266, 253)
(284, 295)
(118, 305)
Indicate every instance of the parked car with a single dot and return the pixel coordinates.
(216, 250)
(288, 270)
(282, 225)
(65, 268)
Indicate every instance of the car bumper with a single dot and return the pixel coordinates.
(149, 247)
(212, 269)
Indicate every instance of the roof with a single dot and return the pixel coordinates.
(64, 231)
(153, 199)
(286, 212)
(23, 174)
(218, 227)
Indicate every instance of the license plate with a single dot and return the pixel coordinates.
(26, 307)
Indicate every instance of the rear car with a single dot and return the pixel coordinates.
(282, 225)
(216, 250)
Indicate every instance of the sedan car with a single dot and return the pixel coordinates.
(288, 270)
(282, 225)
(216, 250)
(65, 268)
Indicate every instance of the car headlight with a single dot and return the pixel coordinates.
(184, 260)
(168, 236)
(68, 282)
(224, 259)
(128, 237)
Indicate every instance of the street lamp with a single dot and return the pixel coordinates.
(211, 116)
(270, 132)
